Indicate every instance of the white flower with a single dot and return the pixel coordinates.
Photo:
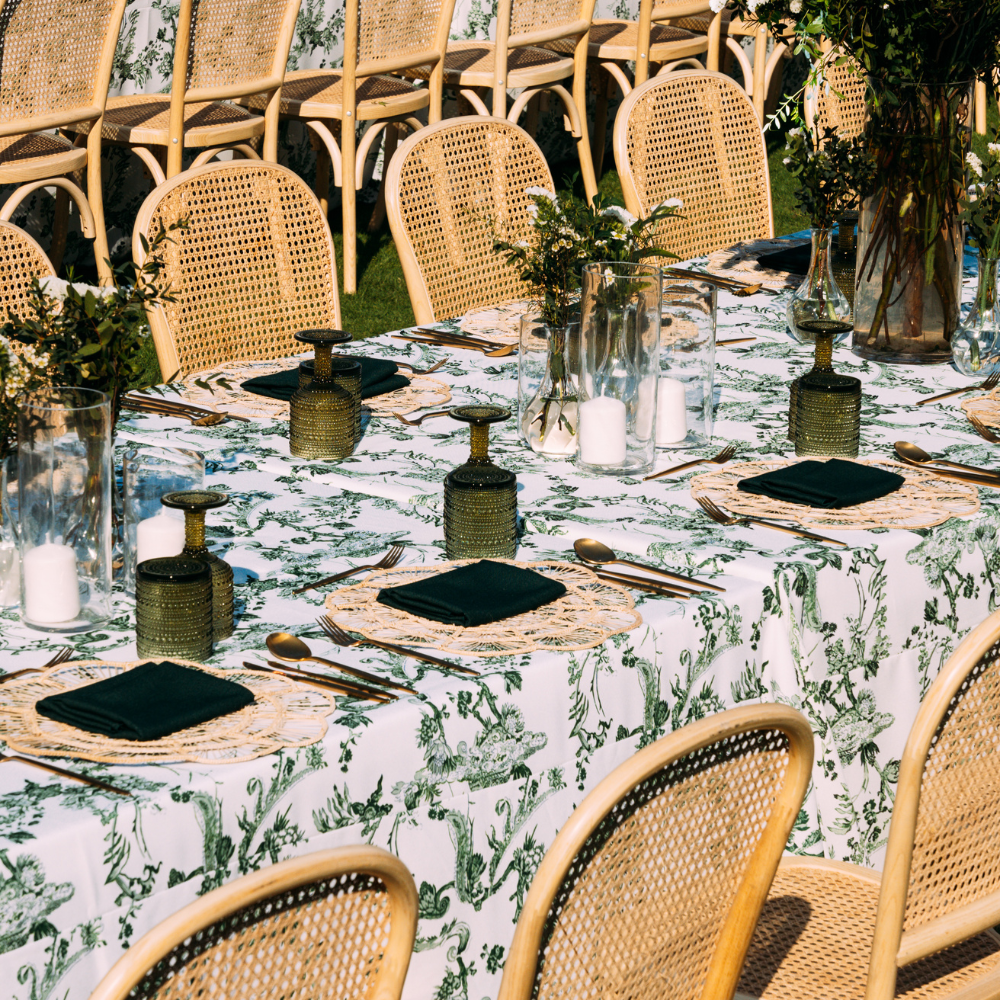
(619, 213)
(540, 192)
(787, 160)
(795, 6)
(669, 203)
(717, 5)
(58, 288)
(993, 147)
(975, 163)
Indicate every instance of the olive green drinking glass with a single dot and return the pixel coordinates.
(173, 608)
(324, 417)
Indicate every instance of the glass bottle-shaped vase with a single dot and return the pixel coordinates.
(195, 503)
(323, 416)
(819, 296)
(975, 346)
(823, 333)
(549, 418)
(480, 498)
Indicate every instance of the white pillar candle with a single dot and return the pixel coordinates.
(51, 588)
(602, 431)
(671, 412)
(158, 536)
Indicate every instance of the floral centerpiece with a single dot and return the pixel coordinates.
(919, 61)
(567, 233)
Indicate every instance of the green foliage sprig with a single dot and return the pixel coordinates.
(832, 173)
(981, 207)
(567, 233)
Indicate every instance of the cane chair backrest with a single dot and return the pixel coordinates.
(254, 264)
(528, 18)
(941, 881)
(398, 33)
(838, 102)
(653, 887)
(55, 61)
(452, 189)
(334, 923)
(694, 135)
(22, 260)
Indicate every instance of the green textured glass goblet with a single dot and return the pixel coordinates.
(195, 503)
(346, 373)
(173, 608)
(324, 417)
(480, 498)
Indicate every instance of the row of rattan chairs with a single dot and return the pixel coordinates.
(666, 882)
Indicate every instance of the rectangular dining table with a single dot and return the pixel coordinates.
(469, 780)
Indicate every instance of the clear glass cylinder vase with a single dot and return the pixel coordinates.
(547, 397)
(619, 367)
(10, 560)
(975, 347)
(819, 297)
(64, 517)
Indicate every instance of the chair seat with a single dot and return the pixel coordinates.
(470, 64)
(319, 93)
(814, 939)
(616, 41)
(144, 120)
(36, 155)
(700, 23)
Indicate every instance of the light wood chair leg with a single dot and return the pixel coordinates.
(322, 186)
(979, 101)
(60, 225)
(604, 84)
(348, 194)
(378, 216)
(95, 198)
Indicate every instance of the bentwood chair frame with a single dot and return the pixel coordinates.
(22, 260)
(212, 37)
(52, 79)
(254, 264)
(939, 892)
(333, 101)
(694, 135)
(517, 60)
(661, 871)
(248, 938)
(451, 189)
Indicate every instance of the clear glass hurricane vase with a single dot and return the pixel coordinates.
(10, 561)
(547, 393)
(819, 296)
(975, 346)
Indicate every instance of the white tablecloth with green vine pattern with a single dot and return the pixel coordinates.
(469, 781)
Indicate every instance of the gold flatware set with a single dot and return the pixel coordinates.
(200, 416)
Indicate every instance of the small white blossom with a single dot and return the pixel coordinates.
(58, 288)
(540, 192)
(717, 5)
(669, 203)
(617, 212)
(795, 6)
(993, 147)
(975, 163)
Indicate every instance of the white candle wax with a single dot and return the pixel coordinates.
(51, 589)
(158, 536)
(602, 431)
(671, 412)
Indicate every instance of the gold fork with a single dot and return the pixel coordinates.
(64, 654)
(983, 430)
(724, 456)
(420, 420)
(991, 382)
(421, 371)
(387, 561)
(335, 633)
(718, 515)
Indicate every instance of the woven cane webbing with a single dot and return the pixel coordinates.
(956, 851)
(814, 939)
(255, 264)
(694, 135)
(151, 114)
(393, 28)
(51, 52)
(527, 16)
(839, 101)
(17, 148)
(21, 261)
(315, 941)
(618, 39)
(461, 186)
(233, 41)
(304, 87)
(646, 897)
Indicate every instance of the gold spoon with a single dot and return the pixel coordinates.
(292, 649)
(592, 551)
(914, 453)
(490, 352)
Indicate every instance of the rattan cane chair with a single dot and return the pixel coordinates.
(924, 928)
(337, 923)
(254, 264)
(451, 190)
(838, 102)
(653, 886)
(380, 37)
(224, 50)
(694, 135)
(22, 260)
(55, 65)
(516, 61)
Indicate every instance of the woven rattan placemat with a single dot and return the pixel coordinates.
(922, 501)
(499, 323)
(284, 714)
(227, 395)
(986, 408)
(589, 612)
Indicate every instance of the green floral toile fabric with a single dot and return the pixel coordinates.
(470, 780)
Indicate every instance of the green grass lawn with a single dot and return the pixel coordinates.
(381, 302)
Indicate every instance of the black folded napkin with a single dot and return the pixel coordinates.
(830, 484)
(476, 594)
(794, 260)
(378, 376)
(147, 702)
